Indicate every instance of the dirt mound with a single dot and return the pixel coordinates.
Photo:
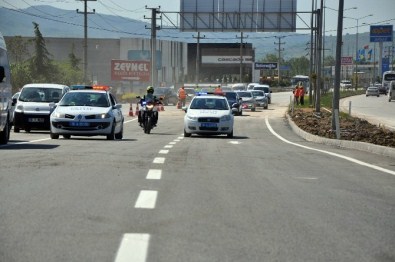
(351, 128)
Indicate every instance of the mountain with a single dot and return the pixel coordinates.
(56, 22)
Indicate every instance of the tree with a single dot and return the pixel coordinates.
(41, 63)
(299, 66)
(17, 48)
(74, 61)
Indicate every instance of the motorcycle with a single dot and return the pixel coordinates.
(148, 115)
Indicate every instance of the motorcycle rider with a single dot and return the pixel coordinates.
(149, 97)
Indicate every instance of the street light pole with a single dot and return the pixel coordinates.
(356, 48)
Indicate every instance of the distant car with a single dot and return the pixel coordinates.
(372, 91)
(260, 98)
(87, 112)
(266, 89)
(248, 100)
(250, 86)
(208, 115)
(382, 89)
(168, 95)
(234, 101)
(35, 104)
(345, 84)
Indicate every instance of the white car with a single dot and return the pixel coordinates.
(208, 115)
(87, 112)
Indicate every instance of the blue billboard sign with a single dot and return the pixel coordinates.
(385, 66)
(381, 33)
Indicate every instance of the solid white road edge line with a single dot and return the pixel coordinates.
(154, 174)
(133, 247)
(146, 199)
(356, 161)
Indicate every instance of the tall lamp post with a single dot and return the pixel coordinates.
(356, 47)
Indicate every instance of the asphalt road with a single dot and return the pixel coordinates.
(264, 195)
(376, 110)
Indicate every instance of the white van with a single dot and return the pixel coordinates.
(35, 104)
(5, 94)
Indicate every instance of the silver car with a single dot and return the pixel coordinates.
(372, 91)
(248, 100)
(260, 98)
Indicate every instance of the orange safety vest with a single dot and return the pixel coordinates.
(182, 94)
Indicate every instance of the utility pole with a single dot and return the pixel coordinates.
(154, 71)
(336, 90)
(241, 56)
(279, 55)
(86, 35)
(198, 57)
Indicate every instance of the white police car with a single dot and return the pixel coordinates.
(87, 111)
(208, 115)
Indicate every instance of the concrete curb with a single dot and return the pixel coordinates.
(362, 146)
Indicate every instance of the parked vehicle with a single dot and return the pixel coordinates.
(5, 94)
(35, 104)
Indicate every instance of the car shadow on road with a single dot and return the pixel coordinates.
(26, 145)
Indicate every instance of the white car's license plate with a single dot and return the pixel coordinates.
(79, 124)
(209, 125)
(36, 120)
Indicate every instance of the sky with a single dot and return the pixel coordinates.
(358, 11)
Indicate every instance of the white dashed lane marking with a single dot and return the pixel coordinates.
(154, 174)
(133, 247)
(168, 146)
(159, 160)
(163, 151)
(146, 199)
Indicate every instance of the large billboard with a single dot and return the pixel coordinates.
(238, 15)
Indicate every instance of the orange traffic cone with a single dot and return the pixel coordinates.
(131, 109)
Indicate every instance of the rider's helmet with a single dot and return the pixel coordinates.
(150, 90)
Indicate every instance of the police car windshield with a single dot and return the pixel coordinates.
(209, 103)
(94, 99)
